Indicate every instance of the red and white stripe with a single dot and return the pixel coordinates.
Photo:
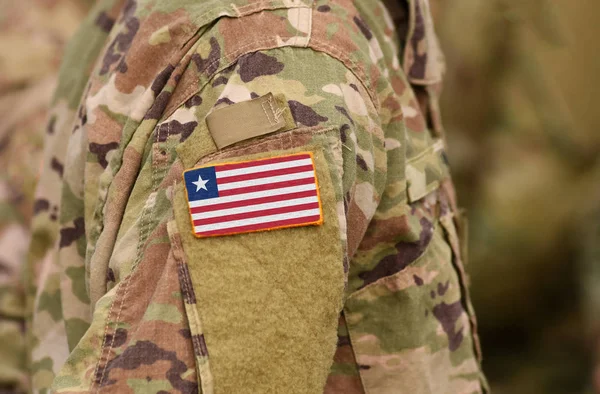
(259, 195)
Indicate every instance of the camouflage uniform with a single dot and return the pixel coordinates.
(126, 299)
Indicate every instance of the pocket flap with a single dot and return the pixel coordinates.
(425, 172)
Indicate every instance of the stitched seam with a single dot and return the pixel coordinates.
(194, 319)
(295, 41)
(260, 6)
(265, 111)
(145, 223)
(193, 88)
(94, 377)
(310, 24)
(335, 53)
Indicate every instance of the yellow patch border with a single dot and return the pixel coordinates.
(315, 223)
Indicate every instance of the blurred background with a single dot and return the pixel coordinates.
(520, 111)
(519, 104)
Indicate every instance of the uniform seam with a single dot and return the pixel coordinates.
(192, 89)
(421, 155)
(321, 46)
(143, 237)
(241, 51)
(258, 7)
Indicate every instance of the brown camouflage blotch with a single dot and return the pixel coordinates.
(115, 54)
(442, 288)
(222, 80)
(362, 26)
(393, 106)
(40, 205)
(416, 123)
(119, 338)
(357, 226)
(419, 60)
(239, 34)
(305, 115)
(105, 129)
(50, 127)
(175, 128)
(407, 252)
(57, 166)
(158, 106)
(146, 62)
(257, 64)
(161, 79)
(146, 353)
(186, 333)
(418, 280)
(68, 235)
(209, 65)
(5, 268)
(104, 22)
(193, 101)
(344, 112)
(361, 163)
(448, 315)
(384, 230)
(101, 150)
(343, 384)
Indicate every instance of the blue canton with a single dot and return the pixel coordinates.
(201, 184)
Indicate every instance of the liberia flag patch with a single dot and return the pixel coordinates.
(255, 195)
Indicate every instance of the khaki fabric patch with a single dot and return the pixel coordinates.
(269, 301)
(198, 144)
(247, 119)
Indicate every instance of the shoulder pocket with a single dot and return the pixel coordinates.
(415, 328)
(268, 302)
(417, 325)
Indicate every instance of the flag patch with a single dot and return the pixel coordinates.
(255, 195)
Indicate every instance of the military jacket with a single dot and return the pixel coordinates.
(135, 288)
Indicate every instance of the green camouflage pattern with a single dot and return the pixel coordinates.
(114, 306)
(32, 38)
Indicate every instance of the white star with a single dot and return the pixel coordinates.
(200, 184)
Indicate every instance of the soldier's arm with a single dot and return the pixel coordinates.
(184, 138)
(257, 301)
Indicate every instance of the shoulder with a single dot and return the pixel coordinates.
(336, 30)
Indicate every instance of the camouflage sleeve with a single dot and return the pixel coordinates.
(331, 115)
(194, 119)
